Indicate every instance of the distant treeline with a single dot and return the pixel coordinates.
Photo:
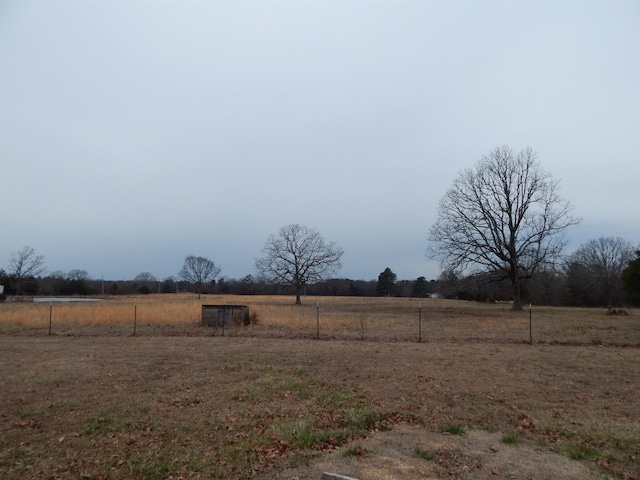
(547, 288)
(48, 286)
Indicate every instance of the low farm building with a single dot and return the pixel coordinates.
(223, 315)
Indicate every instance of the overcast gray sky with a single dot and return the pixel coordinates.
(135, 133)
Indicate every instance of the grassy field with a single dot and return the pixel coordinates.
(180, 400)
(347, 318)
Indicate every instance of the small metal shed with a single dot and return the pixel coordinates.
(223, 315)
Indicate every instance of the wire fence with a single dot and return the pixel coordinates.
(327, 318)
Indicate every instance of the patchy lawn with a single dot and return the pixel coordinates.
(109, 407)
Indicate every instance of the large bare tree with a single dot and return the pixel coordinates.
(25, 264)
(503, 216)
(298, 255)
(199, 270)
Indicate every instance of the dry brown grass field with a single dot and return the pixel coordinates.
(179, 400)
(346, 318)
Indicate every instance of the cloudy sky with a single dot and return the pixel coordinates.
(135, 133)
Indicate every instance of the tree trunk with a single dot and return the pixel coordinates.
(298, 284)
(517, 301)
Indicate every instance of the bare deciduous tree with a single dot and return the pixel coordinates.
(298, 255)
(199, 270)
(601, 263)
(503, 216)
(147, 282)
(25, 264)
(78, 275)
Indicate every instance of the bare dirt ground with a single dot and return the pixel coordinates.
(474, 455)
(264, 408)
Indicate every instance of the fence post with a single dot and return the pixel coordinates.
(50, 316)
(135, 318)
(317, 319)
(530, 331)
(419, 322)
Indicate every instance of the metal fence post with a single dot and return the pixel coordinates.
(530, 329)
(419, 322)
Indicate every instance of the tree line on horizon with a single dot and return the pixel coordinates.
(499, 235)
(582, 282)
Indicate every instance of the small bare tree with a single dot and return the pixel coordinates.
(504, 216)
(199, 270)
(78, 275)
(76, 282)
(25, 264)
(298, 255)
(147, 282)
(601, 263)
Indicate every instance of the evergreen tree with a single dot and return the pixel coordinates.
(631, 279)
(386, 286)
(420, 287)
